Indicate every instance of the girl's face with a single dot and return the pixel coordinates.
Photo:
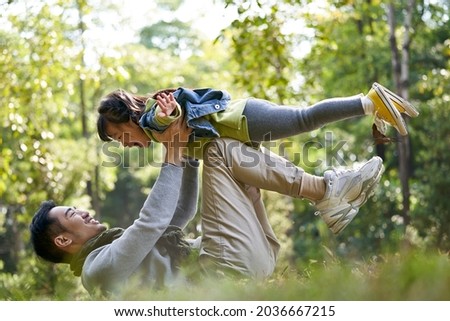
(129, 134)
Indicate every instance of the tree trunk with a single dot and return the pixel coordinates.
(400, 70)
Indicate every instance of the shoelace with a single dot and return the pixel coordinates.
(341, 171)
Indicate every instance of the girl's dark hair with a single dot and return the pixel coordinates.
(120, 106)
(43, 231)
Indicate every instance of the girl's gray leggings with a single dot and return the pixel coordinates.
(268, 121)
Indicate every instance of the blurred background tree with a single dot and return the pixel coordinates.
(54, 72)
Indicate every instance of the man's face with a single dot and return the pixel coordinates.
(128, 134)
(80, 226)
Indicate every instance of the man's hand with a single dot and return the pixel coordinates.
(167, 103)
(175, 139)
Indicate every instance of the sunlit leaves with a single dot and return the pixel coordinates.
(261, 50)
(343, 48)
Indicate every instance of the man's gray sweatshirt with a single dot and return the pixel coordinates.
(172, 201)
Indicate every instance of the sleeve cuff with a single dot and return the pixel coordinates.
(167, 120)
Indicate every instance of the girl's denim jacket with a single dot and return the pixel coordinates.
(196, 103)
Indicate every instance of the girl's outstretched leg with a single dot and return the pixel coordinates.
(268, 121)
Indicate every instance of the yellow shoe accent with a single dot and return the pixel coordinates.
(401, 104)
(385, 109)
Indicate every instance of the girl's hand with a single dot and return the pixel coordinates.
(167, 103)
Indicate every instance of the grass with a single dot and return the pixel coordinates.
(406, 276)
(400, 277)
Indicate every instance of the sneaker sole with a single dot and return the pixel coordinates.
(341, 217)
(340, 225)
(401, 104)
(399, 123)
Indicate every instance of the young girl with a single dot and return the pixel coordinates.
(137, 120)
(211, 113)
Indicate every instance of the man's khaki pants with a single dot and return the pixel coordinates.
(237, 236)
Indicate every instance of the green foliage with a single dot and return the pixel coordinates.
(37, 280)
(431, 146)
(350, 50)
(36, 85)
(49, 72)
(174, 36)
(260, 49)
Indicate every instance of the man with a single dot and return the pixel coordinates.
(105, 259)
(236, 234)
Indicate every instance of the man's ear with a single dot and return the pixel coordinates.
(62, 241)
